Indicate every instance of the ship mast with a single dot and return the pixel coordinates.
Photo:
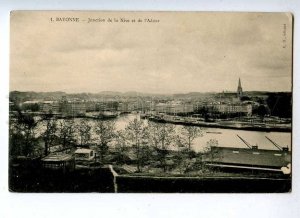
(246, 143)
(275, 144)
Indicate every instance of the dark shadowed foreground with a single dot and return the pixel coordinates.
(32, 178)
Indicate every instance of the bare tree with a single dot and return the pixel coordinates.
(66, 132)
(188, 135)
(161, 136)
(83, 132)
(49, 134)
(121, 145)
(105, 131)
(136, 134)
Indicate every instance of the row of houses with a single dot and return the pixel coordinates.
(233, 107)
(77, 107)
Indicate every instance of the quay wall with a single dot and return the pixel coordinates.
(221, 126)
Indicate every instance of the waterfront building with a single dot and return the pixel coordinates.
(49, 107)
(126, 107)
(234, 108)
(107, 105)
(73, 108)
(90, 106)
(174, 107)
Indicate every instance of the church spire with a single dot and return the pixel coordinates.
(239, 89)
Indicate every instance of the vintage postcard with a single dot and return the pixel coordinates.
(160, 102)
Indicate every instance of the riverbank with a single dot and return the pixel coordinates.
(263, 127)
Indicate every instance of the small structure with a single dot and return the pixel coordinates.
(59, 161)
(84, 157)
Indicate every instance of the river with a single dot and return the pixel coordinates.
(227, 137)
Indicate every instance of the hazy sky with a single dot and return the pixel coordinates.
(183, 52)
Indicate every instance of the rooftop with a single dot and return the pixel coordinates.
(83, 151)
(57, 157)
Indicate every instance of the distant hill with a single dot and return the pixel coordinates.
(18, 96)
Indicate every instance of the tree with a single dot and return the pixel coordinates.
(49, 135)
(262, 111)
(66, 132)
(189, 134)
(31, 107)
(83, 132)
(280, 104)
(245, 98)
(161, 136)
(213, 153)
(105, 131)
(16, 139)
(203, 111)
(23, 139)
(154, 129)
(136, 134)
(121, 145)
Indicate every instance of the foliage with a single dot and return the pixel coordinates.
(83, 130)
(280, 104)
(22, 134)
(31, 107)
(136, 134)
(261, 111)
(213, 154)
(188, 135)
(66, 132)
(49, 135)
(105, 131)
(121, 146)
(161, 136)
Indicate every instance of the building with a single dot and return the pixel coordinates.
(107, 105)
(174, 108)
(49, 107)
(33, 105)
(234, 108)
(73, 108)
(63, 162)
(90, 106)
(84, 157)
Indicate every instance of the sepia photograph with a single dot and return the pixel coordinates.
(150, 102)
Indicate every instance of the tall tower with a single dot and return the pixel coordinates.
(239, 90)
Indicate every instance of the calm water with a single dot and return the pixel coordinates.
(228, 137)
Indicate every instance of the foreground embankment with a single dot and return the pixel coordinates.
(105, 179)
